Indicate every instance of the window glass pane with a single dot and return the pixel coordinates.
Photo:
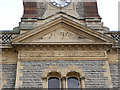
(73, 82)
(53, 82)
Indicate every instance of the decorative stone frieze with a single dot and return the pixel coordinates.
(39, 55)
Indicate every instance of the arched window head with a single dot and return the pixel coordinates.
(73, 73)
(73, 82)
(52, 74)
(53, 82)
(56, 77)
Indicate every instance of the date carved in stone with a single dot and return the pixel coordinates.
(62, 35)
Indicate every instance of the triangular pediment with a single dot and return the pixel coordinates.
(61, 30)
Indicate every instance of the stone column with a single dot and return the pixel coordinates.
(63, 83)
(45, 82)
(82, 82)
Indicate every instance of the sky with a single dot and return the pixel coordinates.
(11, 12)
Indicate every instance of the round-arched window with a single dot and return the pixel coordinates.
(53, 82)
(73, 82)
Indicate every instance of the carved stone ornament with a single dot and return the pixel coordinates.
(62, 35)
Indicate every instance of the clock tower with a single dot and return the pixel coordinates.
(65, 6)
(85, 12)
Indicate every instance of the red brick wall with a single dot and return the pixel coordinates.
(30, 10)
(91, 9)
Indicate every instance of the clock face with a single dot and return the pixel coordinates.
(60, 3)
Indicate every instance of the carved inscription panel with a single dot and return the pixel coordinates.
(61, 54)
(62, 35)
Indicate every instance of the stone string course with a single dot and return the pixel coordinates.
(114, 74)
(80, 9)
(32, 71)
(41, 8)
(9, 71)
